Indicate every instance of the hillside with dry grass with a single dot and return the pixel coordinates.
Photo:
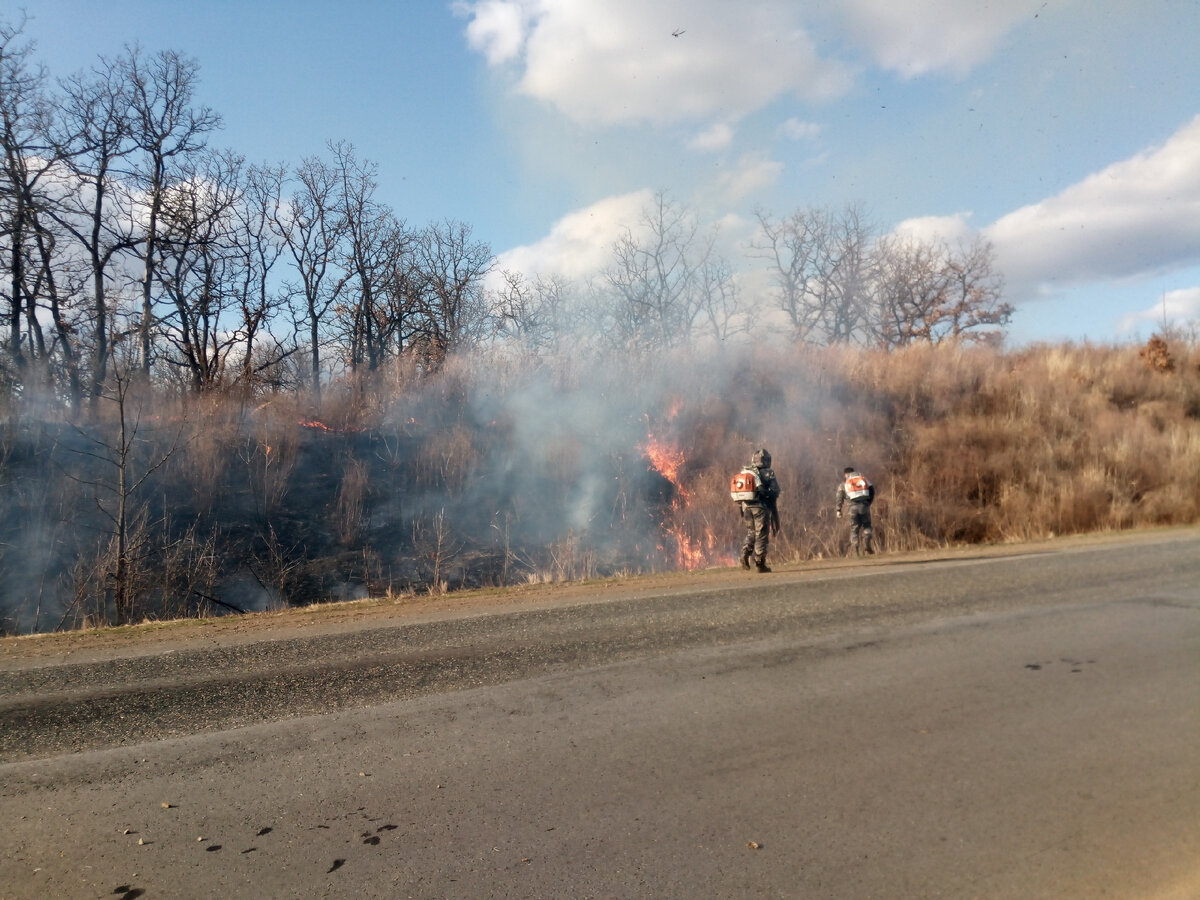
(495, 472)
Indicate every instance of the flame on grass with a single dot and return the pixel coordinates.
(321, 426)
(668, 460)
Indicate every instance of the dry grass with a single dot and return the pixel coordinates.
(973, 444)
(501, 473)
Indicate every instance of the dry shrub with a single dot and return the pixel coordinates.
(187, 569)
(270, 449)
(203, 460)
(1157, 355)
(449, 456)
(438, 546)
(568, 559)
(350, 509)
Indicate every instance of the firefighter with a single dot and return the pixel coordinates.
(858, 493)
(760, 514)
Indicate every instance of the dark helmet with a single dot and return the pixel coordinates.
(761, 459)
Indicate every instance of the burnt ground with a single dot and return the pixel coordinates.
(253, 520)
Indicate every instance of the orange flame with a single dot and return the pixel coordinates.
(321, 426)
(668, 460)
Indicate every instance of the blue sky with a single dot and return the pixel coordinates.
(1067, 132)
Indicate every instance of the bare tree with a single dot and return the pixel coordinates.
(534, 315)
(372, 241)
(257, 250)
(116, 498)
(311, 230)
(200, 267)
(845, 272)
(975, 310)
(29, 155)
(664, 280)
(96, 206)
(909, 291)
(168, 131)
(924, 291)
(793, 245)
(719, 306)
(53, 286)
(820, 263)
(450, 267)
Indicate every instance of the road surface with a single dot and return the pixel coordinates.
(1020, 722)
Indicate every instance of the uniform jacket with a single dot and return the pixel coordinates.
(842, 499)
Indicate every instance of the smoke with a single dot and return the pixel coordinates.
(489, 471)
(42, 519)
(558, 453)
(551, 455)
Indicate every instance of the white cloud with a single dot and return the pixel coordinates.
(752, 173)
(1175, 308)
(916, 37)
(1137, 216)
(799, 130)
(629, 61)
(953, 230)
(718, 137)
(579, 244)
(497, 28)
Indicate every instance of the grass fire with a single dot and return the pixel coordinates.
(488, 473)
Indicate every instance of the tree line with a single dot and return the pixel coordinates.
(130, 244)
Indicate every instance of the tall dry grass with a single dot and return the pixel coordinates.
(974, 444)
(964, 444)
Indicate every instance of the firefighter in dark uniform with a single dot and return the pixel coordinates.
(858, 493)
(760, 514)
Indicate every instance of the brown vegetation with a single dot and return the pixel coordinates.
(492, 473)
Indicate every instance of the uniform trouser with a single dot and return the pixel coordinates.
(860, 527)
(758, 520)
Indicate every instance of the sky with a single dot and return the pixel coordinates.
(1065, 132)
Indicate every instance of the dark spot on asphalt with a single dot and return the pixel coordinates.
(212, 849)
(1033, 666)
(266, 829)
(337, 864)
(387, 827)
(373, 840)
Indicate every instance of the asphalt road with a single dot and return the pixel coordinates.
(1016, 726)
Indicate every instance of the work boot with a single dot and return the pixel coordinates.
(762, 566)
(745, 559)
